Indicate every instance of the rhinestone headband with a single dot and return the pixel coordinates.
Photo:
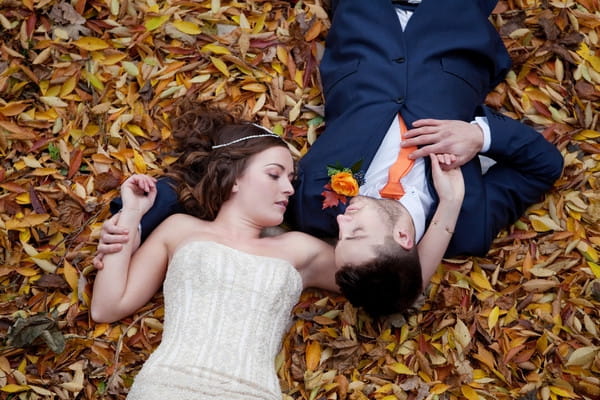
(270, 134)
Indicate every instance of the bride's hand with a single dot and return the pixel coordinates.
(138, 193)
(449, 184)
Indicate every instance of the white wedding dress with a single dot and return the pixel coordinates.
(226, 312)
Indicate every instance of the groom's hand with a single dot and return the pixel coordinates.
(436, 136)
(112, 238)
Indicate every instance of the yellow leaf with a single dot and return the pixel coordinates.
(155, 22)
(215, 48)
(469, 392)
(94, 81)
(99, 330)
(587, 134)
(23, 198)
(313, 355)
(221, 66)
(12, 388)
(71, 275)
(112, 59)
(387, 388)
(27, 271)
(402, 369)
(68, 86)
(91, 43)
(595, 268)
(277, 67)
(480, 279)
(298, 77)
(587, 251)
(493, 317)
(255, 87)
(187, 27)
(139, 163)
(589, 56)
(543, 223)
(27, 222)
(260, 23)
(562, 392)
(439, 388)
(282, 54)
(136, 130)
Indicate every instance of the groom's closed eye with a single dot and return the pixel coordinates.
(356, 234)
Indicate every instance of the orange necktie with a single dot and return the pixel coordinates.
(393, 189)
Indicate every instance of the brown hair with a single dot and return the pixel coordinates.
(205, 176)
(387, 284)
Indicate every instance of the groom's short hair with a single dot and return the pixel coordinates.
(387, 284)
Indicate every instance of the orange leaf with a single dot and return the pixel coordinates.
(314, 31)
(13, 108)
(527, 265)
(76, 159)
(332, 199)
(313, 355)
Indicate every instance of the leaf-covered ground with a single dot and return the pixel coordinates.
(86, 90)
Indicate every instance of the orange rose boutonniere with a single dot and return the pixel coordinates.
(344, 183)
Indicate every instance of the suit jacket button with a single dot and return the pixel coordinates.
(399, 100)
(400, 60)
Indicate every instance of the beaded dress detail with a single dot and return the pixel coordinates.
(226, 312)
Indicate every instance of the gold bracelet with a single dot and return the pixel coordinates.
(446, 228)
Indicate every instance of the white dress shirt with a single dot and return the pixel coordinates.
(417, 199)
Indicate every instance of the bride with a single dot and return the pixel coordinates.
(228, 291)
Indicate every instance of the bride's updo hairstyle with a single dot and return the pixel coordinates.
(214, 148)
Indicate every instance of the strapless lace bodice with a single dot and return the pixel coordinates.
(226, 312)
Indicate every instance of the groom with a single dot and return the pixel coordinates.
(434, 59)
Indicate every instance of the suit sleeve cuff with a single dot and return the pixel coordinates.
(485, 128)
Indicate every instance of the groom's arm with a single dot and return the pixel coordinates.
(526, 167)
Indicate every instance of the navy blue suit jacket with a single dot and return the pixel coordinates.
(442, 66)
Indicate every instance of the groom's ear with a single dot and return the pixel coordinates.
(235, 188)
(402, 235)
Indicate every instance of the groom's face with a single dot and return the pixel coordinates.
(363, 226)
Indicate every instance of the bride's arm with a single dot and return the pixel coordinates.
(316, 261)
(450, 189)
(129, 280)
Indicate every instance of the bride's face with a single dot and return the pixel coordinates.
(263, 190)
